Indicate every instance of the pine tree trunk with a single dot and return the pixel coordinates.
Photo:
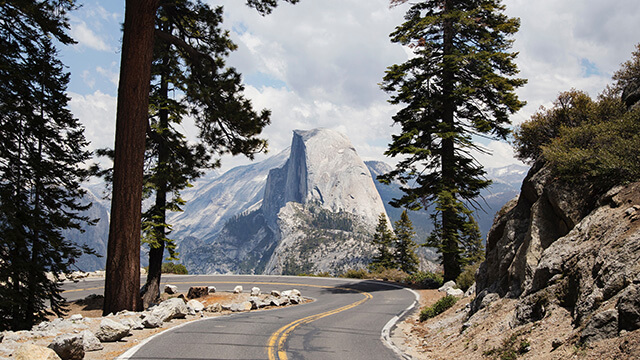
(449, 231)
(122, 283)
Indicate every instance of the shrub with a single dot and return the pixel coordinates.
(601, 153)
(320, 274)
(511, 347)
(438, 308)
(390, 275)
(356, 274)
(171, 268)
(425, 280)
(467, 277)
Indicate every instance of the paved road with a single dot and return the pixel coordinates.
(345, 321)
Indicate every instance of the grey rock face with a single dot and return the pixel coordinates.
(602, 325)
(323, 186)
(560, 245)
(629, 308)
(111, 331)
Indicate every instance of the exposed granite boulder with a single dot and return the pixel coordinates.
(68, 346)
(629, 308)
(111, 331)
(34, 352)
(195, 305)
(90, 342)
(602, 325)
(174, 308)
(564, 245)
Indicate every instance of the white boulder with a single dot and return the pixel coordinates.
(195, 305)
(33, 352)
(111, 331)
(90, 342)
(68, 346)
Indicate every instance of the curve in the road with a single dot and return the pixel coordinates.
(276, 344)
(328, 339)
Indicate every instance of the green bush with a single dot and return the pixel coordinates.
(602, 153)
(171, 268)
(356, 274)
(425, 280)
(467, 277)
(438, 308)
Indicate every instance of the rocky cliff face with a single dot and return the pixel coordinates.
(316, 214)
(96, 236)
(214, 200)
(565, 246)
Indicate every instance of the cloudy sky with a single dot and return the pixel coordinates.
(318, 63)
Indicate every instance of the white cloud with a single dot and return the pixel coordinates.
(557, 38)
(111, 75)
(86, 37)
(97, 112)
(88, 78)
(499, 154)
(326, 58)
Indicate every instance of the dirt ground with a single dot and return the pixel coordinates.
(489, 335)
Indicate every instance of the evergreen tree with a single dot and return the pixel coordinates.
(405, 255)
(383, 240)
(459, 84)
(189, 58)
(122, 282)
(42, 150)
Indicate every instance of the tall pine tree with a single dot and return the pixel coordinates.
(405, 254)
(42, 150)
(383, 241)
(189, 63)
(122, 281)
(460, 83)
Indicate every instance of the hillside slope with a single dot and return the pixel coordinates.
(561, 280)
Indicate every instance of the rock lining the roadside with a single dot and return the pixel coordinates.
(87, 334)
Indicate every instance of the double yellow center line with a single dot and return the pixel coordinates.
(277, 340)
(275, 346)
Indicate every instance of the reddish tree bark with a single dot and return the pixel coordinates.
(122, 283)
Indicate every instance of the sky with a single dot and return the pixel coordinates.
(318, 64)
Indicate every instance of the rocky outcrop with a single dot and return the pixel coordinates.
(316, 215)
(564, 245)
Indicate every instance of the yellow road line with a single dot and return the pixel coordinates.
(277, 340)
(87, 289)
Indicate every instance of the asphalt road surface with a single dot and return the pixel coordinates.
(347, 321)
